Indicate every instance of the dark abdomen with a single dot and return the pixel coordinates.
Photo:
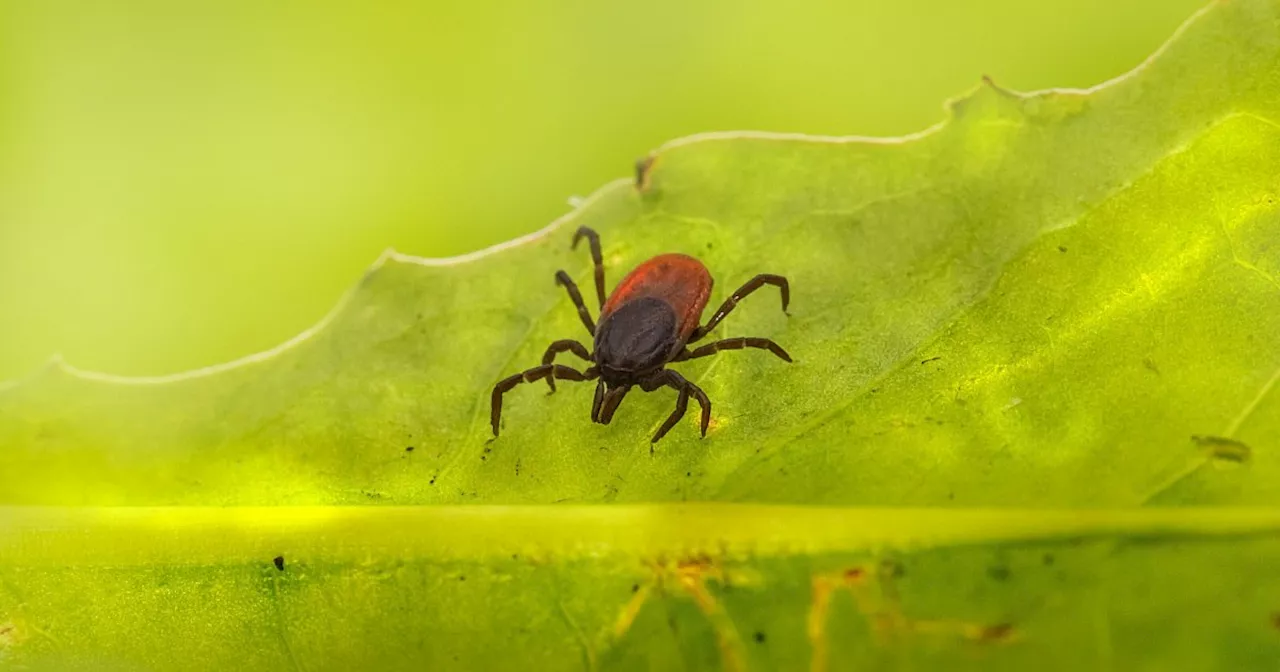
(639, 336)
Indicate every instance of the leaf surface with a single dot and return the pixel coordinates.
(1012, 333)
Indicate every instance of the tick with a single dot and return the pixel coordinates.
(648, 322)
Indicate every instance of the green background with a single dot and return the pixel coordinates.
(182, 184)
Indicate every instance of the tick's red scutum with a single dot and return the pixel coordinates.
(676, 279)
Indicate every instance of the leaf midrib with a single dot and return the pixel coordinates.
(218, 535)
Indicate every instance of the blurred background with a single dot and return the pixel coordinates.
(182, 183)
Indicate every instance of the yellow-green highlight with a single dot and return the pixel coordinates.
(186, 536)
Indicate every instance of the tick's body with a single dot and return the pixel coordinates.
(650, 315)
(646, 323)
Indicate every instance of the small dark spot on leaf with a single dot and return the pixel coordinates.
(1062, 248)
(515, 556)
(709, 246)
(409, 449)
(893, 569)
(951, 495)
(688, 473)
(487, 450)
(998, 572)
(517, 466)
(875, 390)
(635, 587)
(279, 562)
(1275, 620)
(1223, 448)
(671, 623)
(1151, 366)
(1048, 559)
(484, 457)
(432, 481)
(759, 637)
(931, 359)
(996, 633)
(853, 574)
(462, 577)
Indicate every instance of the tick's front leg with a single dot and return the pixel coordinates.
(743, 292)
(558, 347)
(570, 286)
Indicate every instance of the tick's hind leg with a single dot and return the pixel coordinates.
(734, 344)
(570, 286)
(593, 239)
(686, 389)
(752, 285)
(536, 373)
(558, 347)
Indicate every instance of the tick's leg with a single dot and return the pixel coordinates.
(682, 404)
(752, 285)
(655, 381)
(565, 281)
(705, 404)
(594, 240)
(734, 344)
(536, 373)
(686, 388)
(558, 347)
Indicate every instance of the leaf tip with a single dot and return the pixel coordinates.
(988, 82)
(644, 168)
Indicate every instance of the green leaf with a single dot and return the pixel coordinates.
(1049, 301)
